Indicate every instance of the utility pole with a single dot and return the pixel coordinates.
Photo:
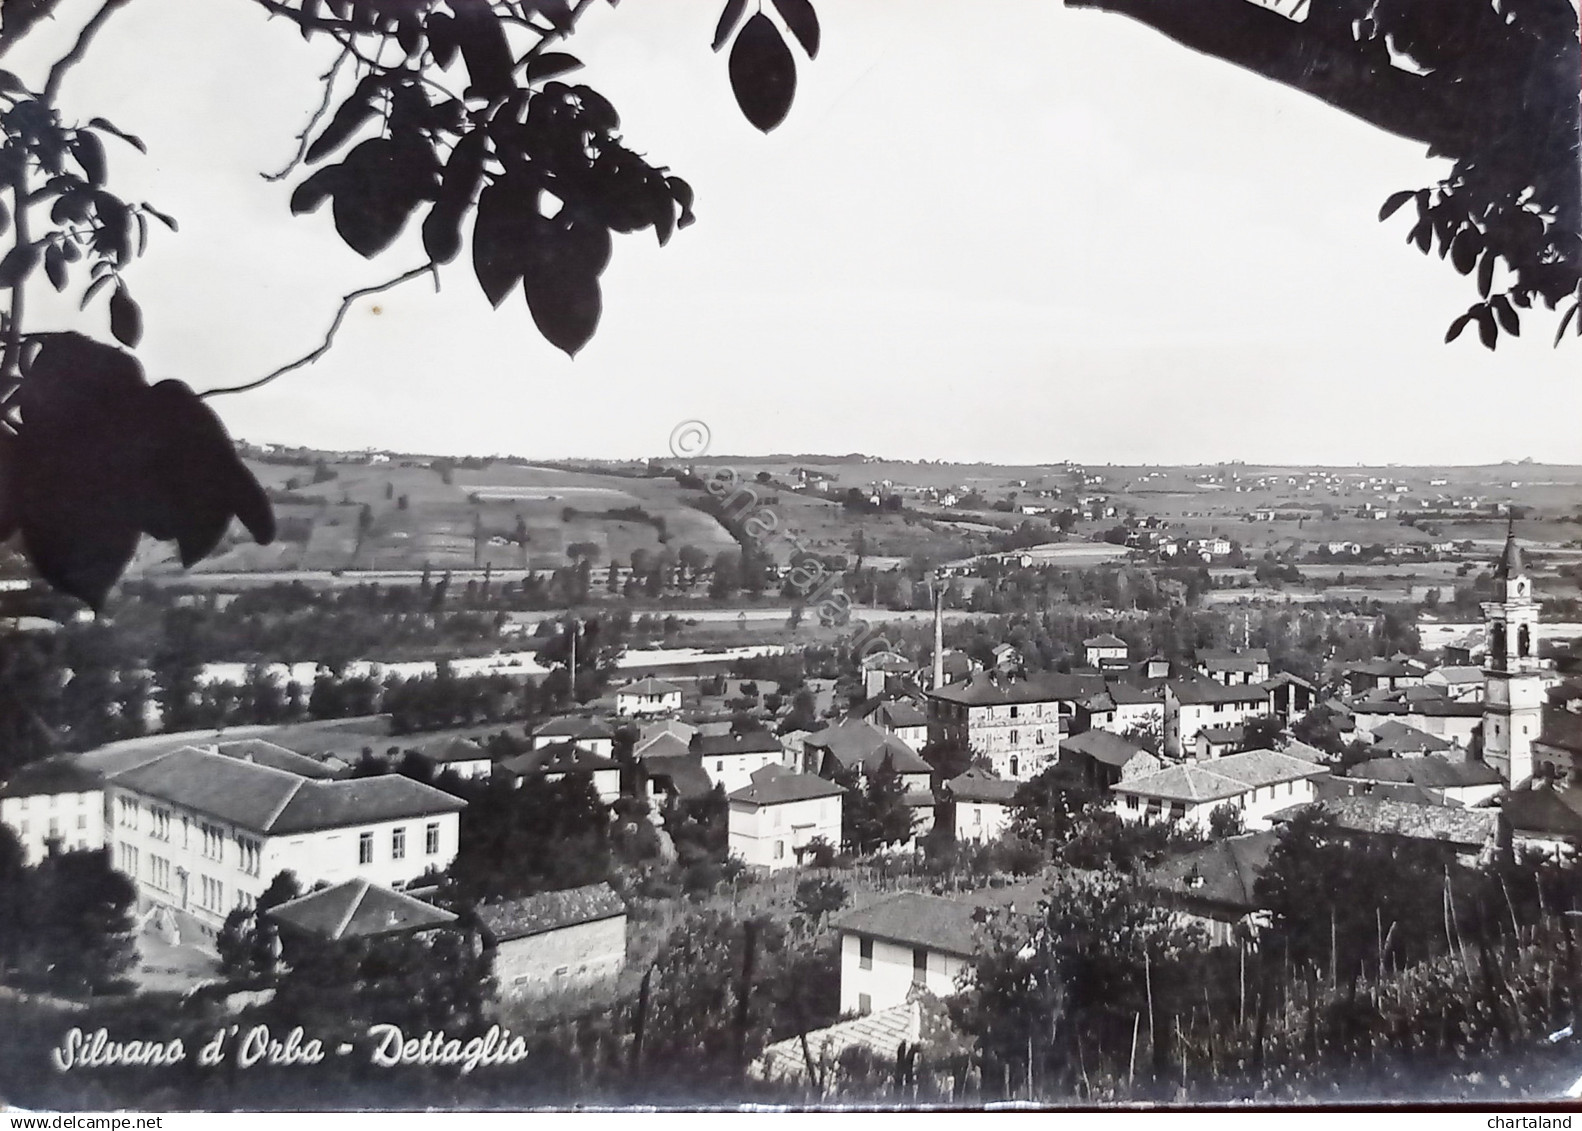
(939, 630)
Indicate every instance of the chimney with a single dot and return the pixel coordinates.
(939, 631)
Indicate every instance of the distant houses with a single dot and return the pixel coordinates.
(1255, 784)
(647, 698)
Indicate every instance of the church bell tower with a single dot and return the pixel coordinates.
(1512, 686)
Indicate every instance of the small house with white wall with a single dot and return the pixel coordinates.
(981, 805)
(732, 758)
(1256, 783)
(563, 760)
(646, 698)
(775, 817)
(588, 733)
(53, 800)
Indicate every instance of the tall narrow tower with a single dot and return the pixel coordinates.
(939, 631)
(1512, 687)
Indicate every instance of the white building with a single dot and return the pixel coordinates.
(53, 800)
(590, 734)
(1256, 782)
(460, 756)
(982, 805)
(731, 759)
(561, 760)
(780, 813)
(1189, 707)
(201, 833)
(646, 698)
(910, 939)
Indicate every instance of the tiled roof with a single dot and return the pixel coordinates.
(684, 772)
(1104, 640)
(755, 741)
(53, 775)
(1223, 736)
(1384, 669)
(648, 685)
(360, 801)
(1207, 691)
(1221, 778)
(776, 785)
(663, 745)
(1302, 750)
(857, 742)
(263, 753)
(268, 800)
(358, 909)
(983, 689)
(574, 727)
(1103, 746)
(1466, 828)
(556, 758)
(892, 714)
(1223, 872)
(1438, 707)
(550, 911)
(1125, 695)
(1231, 660)
(1456, 675)
(1544, 812)
(1392, 737)
(1430, 771)
(880, 1032)
(982, 786)
(947, 925)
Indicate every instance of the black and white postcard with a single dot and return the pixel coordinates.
(696, 553)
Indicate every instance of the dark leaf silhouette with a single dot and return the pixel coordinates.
(803, 22)
(502, 238)
(763, 74)
(315, 190)
(1509, 322)
(550, 65)
(356, 110)
(383, 180)
(110, 128)
(1394, 201)
(126, 319)
(1487, 331)
(89, 151)
(463, 173)
(729, 18)
(1486, 273)
(566, 310)
(55, 266)
(18, 264)
(484, 47)
(1457, 326)
(100, 458)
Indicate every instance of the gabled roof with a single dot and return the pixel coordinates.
(756, 741)
(1403, 739)
(1384, 669)
(663, 745)
(263, 753)
(574, 727)
(648, 685)
(1233, 660)
(1455, 675)
(1223, 736)
(557, 758)
(1448, 824)
(858, 743)
(1102, 746)
(684, 772)
(1104, 640)
(1430, 771)
(984, 690)
(1436, 707)
(267, 800)
(776, 785)
(1299, 749)
(945, 925)
(893, 714)
(1207, 691)
(549, 911)
(1221, 778)
(1223, 872)
(1544, 812)
(1125, 695)
(982, 786)
(53, 775)
(359, 909)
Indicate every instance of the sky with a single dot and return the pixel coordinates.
(1026, 235)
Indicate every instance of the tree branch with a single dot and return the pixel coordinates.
(11, 362)
(1318, 57)
(84, 38)
(329, 335)
(328, 79)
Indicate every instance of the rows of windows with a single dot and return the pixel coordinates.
(54, 801)
(211, 894)
(213, 841)
(159, 872)
(365, 843)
